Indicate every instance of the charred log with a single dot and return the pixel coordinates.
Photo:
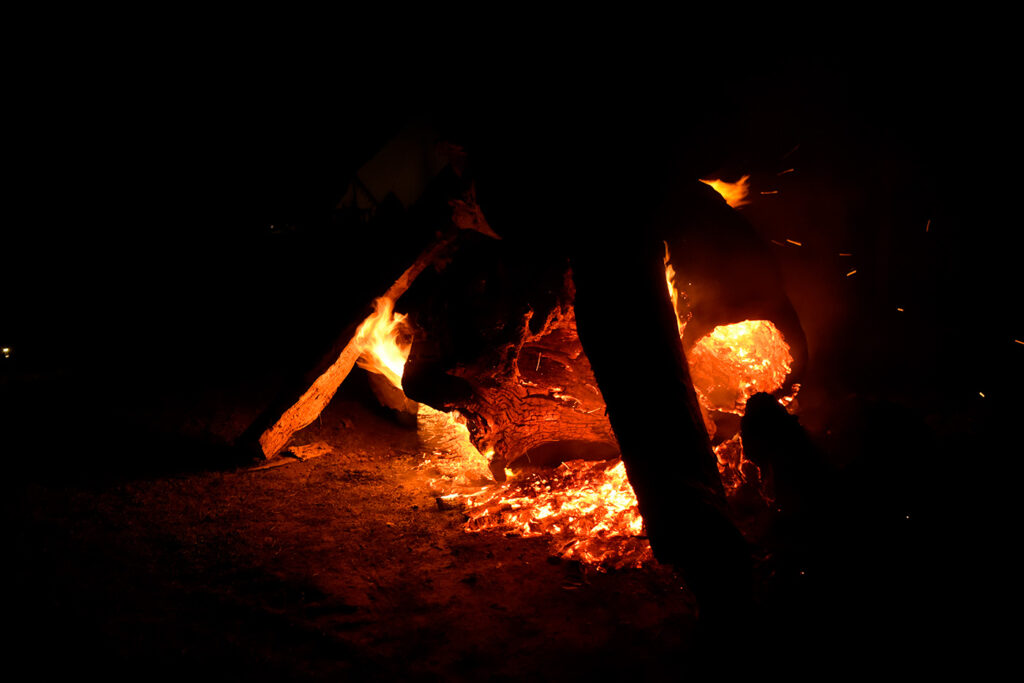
(497, 341)
(726, 272)
(653, 408)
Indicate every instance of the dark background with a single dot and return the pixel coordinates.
(145, 190)
(170, 215)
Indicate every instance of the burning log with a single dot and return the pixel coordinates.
(497, 341)
(657, 420)
(725, 274)
(300, 404)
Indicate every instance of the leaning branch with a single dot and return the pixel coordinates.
(315, 399)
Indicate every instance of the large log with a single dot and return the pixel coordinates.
(496, 340)
(536, 402)
(628, 329)
(725, 272)
(611, 209)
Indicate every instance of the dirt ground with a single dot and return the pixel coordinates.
(339, 567)
(158, 558)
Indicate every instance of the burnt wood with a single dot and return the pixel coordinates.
(725, 271)
(628, 329)
(496, 340)
(305, 397)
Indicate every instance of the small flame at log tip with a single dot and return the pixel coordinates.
(384, 352)
(735, 194)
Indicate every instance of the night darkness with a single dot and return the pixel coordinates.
(171, 236)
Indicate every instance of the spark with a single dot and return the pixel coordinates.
(6, 351)
(799, 244)
(899, 309)
(769, 192)
(778, 243)
(928, 225)
(1018, 341)
(539, 356)
(851, 272)
(843, 253)
(788, 170)
(982, 394)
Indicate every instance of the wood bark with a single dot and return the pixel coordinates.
(536, 402)
(628, 329)
(496, 340)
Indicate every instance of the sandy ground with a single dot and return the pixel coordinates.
(339, 567)
(153, 557)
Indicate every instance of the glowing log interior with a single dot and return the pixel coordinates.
(733, 362)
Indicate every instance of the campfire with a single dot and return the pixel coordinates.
(258, 439)
(526, 480)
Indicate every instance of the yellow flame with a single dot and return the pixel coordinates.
(378, 336)
(735, 194)
(670, 279)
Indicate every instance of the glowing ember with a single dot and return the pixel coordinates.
(736, 471)
(735, 194)
(587, 508)
(384, 352)
(733, 362)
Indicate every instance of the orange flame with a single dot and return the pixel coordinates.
(379, 335)
(735, 194)
(670, 278)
